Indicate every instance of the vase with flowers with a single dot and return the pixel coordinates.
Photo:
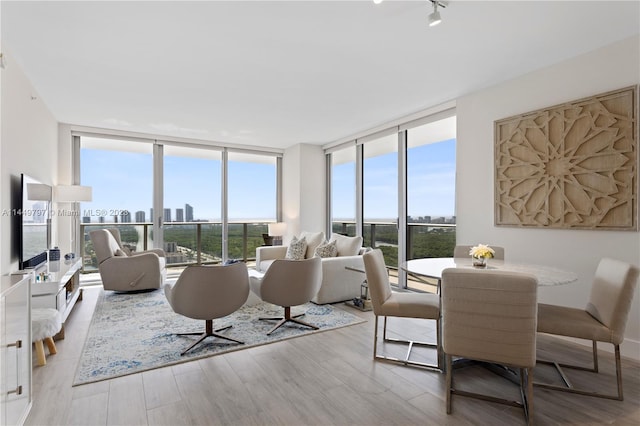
(480, 254)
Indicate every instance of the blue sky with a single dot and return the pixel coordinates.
(430, 178)
(123, 181)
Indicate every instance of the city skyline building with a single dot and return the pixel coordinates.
(140, 216)
(179, 215)
(188, 212)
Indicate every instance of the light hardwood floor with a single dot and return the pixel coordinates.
(320, 379)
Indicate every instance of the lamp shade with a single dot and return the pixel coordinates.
(277, 229)
(38, 192)
(72, 193)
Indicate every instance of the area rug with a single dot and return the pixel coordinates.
(131, 333)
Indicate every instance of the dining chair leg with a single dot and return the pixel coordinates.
(449, 380)
(568, 387)
(439, 342)
(529, 402)
(375, 339)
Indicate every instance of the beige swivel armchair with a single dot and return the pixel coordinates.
(463, 251)
(122, 272)
(490, 316)
(209, 292)
(289, 283)
(408, 305)
(603, 320)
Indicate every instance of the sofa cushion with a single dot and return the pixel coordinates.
(297, 249)
(327, 249)
(314, 239)
(347, 246)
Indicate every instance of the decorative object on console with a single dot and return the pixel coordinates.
(276, 231)
(73, 194)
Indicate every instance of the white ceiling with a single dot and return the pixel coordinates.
(278, 73)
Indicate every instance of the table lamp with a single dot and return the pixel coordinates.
(277, 230)
(73, 194)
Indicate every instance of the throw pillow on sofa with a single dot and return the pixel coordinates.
(297, 249)
(314, 239)
(347, 246)
(327, 249)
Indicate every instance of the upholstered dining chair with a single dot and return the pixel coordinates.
(120, 271)
(387, 303)
(289, 283)
(603, 320)
(490, 316)
(207, 293)
(463, 251)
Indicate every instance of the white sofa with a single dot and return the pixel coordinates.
(338, 282)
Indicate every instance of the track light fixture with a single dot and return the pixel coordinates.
(434, 18)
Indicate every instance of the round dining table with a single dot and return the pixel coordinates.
(433, 267)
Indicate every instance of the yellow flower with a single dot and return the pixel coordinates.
(482, 250)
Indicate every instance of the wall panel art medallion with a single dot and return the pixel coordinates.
(571, 166)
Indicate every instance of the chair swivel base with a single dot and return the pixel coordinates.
(209, 332)
(288, 318)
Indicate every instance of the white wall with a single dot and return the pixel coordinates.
(616, 66)
(28, 144)
(303, 189)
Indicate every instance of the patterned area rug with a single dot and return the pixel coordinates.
(130, 333)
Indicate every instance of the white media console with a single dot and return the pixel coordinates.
(61, 289)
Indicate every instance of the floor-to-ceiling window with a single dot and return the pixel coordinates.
(252, 201)
(431, 181)
(343, 193)
(193, 203)
(380, 196)
(205, 204)
(120, 173)
(406, 196)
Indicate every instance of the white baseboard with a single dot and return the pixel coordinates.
(629, 348)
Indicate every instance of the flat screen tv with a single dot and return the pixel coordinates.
(34, 234)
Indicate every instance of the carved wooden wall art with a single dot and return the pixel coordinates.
(571, 166)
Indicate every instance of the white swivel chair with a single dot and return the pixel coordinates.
(289, 283)
(207, 293)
